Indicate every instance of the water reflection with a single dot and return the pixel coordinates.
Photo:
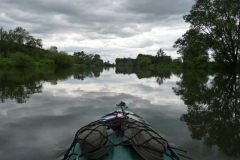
(213, 108)
(160, 76)
(19, 85)
(81, 74)
(45, 125)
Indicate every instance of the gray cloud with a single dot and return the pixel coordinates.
(94, 19)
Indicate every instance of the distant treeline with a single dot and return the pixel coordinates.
(162, 61)
(94, 60)
(149, 61)
(143, 60)
(19, 49)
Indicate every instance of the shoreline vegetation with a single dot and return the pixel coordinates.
(211, 43)
(18, 49)
(164, 62)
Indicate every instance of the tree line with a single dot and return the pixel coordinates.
(149, 61)
(16, 39)
(93, 60)
(20, 49)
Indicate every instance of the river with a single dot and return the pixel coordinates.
(40, 111)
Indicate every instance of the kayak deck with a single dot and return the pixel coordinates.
(119, 144)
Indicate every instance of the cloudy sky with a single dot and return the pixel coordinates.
(111, 28)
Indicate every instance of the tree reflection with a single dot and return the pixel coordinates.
(160, 76)
(20, 84)
(81, 74)
(213, 109)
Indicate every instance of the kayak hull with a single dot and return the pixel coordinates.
(116, 152)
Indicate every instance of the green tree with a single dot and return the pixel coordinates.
(53, 49)
(144, 61)
(63, 52)
(97, 61)
(129, 62)
(96, 57)
(191, 45)
(218, 23)
(18, 40)
(87, 59)
(160, 53)
(3, 34)
(79, 57)
(20, 35)
(31, 41)
(63, 61)
(3, 44)
(21, 60)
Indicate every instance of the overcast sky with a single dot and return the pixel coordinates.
(110, 28)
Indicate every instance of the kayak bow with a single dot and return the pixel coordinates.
(121, 134)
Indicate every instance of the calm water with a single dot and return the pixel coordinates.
(40, 111)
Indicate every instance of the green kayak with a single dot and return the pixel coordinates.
(121, 134)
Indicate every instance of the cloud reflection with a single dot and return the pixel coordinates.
(46, 124)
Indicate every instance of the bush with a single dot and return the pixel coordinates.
(143, 62)
(21, 60)
(63, 61)
(6, 63)
(46, 63)
(80, 66)
(98, 63)
(176, 62)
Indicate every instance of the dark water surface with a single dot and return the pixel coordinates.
(40, 111)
